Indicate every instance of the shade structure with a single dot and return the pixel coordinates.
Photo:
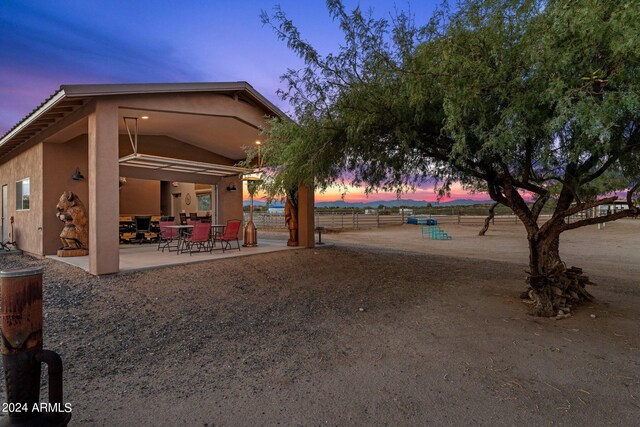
(147, 161)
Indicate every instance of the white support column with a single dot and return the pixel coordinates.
(104, 200)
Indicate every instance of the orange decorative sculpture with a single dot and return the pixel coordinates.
(75, 234)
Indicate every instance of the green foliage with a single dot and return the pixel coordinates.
(539, 96)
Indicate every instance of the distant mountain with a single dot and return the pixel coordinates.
(255, 203)
(466, 202)
(398, 203)
(387, 203)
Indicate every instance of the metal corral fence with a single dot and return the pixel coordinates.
(357, 220)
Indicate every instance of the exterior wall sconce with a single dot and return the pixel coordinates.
(231, 187)
(77, 176)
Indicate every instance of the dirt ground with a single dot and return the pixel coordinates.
(380, 328)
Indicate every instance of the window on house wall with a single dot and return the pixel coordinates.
(204, 202)
(22, 194)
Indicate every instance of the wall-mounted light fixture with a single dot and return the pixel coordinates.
(231, 187)
(77, 176)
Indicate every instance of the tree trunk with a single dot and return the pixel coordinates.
(553, 288)
(488, 219)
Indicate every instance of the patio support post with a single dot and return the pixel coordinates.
(306, 223)
(104, 201)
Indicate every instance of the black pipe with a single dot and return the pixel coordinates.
(54, 364)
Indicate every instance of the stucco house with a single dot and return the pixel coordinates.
(129, 149)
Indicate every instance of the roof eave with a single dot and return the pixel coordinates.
(57, 97)
(87, 91)
(79, 91)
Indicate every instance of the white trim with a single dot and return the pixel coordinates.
(34, 116)
(22, 209)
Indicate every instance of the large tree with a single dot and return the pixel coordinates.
(531, 100)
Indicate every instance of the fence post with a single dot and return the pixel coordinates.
(378, 218)
(458, 216)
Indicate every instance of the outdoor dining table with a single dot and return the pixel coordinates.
(181, 229)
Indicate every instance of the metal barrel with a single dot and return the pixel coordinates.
(21, 292)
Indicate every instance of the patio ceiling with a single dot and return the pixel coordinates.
(224, 135)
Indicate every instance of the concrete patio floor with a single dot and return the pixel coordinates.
(143, 257)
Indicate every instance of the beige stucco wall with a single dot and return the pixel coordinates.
(229, 202)
(28, 224)
(179, 193)
(104, 197)
(59, 163)
(140, 197)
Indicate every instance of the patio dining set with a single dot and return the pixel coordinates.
(189, 234)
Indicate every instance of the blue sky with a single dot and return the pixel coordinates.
(44, 44)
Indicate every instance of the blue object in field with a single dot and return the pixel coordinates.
(434, 232)
(422, 221)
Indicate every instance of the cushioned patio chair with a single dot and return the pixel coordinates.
(199, 238)
(230, 234)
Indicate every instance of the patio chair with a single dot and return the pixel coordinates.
(183, 218)
(199, 238)
(142, 227)
(230, 234)
(167, 236)
(193, 216)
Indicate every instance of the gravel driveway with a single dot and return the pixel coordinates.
(339, 335)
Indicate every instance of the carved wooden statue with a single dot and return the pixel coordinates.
(75, 234)
(291, 216)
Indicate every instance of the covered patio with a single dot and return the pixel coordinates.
(167, 152)
(144, 257)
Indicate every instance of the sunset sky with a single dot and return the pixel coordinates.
(44, 44)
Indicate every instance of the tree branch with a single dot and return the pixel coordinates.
(600, 171)
(527, 161)
(538, 205)
(601, 219)
(530, 187)
(496, 195)
(633, 211)
(630, 197)
(588, 205)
